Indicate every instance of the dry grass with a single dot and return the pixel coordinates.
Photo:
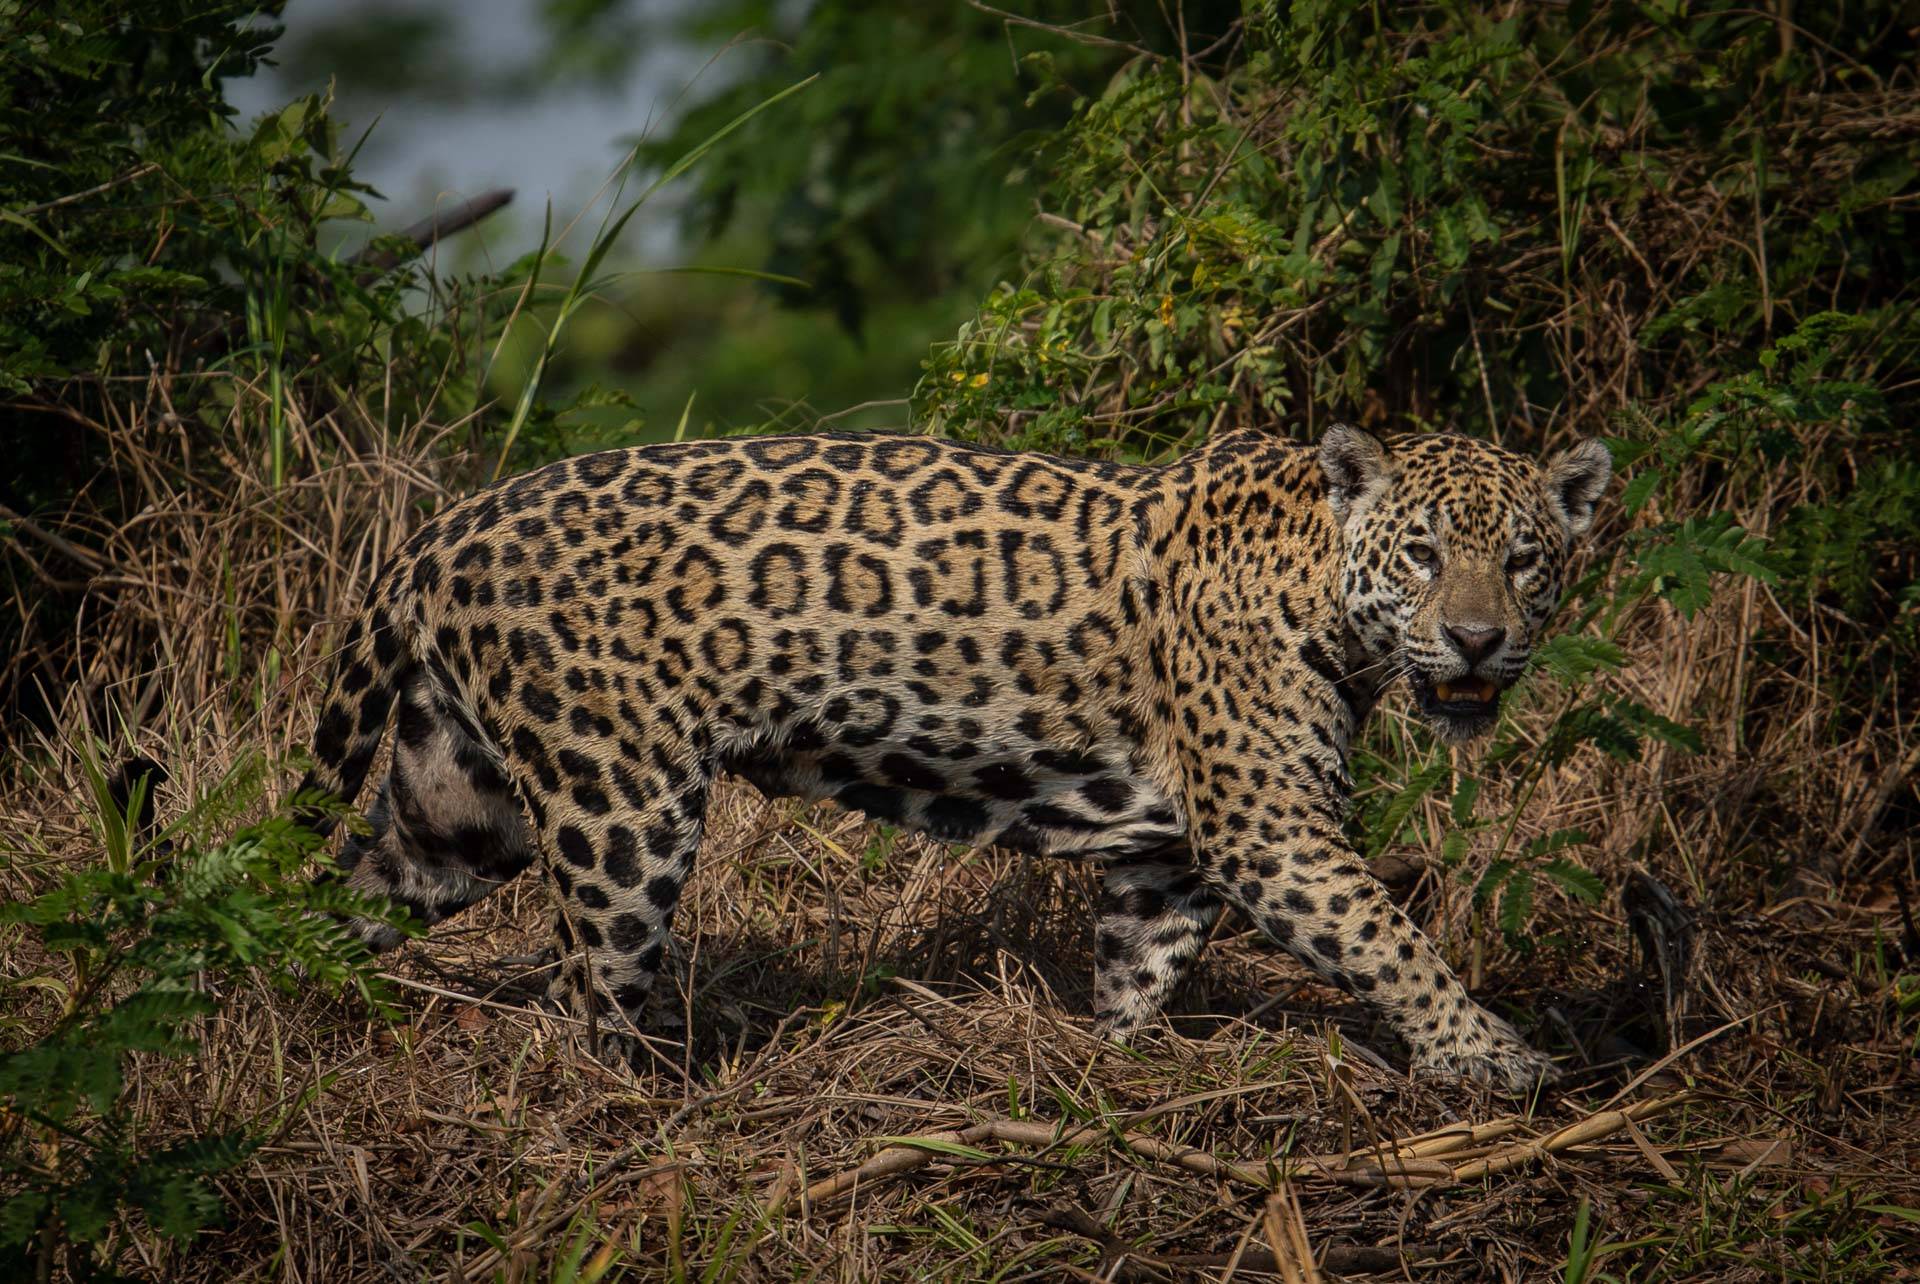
(850, 988)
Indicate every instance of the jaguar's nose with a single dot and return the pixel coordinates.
(1473, 642)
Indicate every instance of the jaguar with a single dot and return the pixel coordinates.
(1158, 669)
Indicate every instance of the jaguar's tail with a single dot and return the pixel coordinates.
(367, 674)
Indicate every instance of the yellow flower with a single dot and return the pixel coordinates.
(955, 376)
(978, 381)
(1166, 311)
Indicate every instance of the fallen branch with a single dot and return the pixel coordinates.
(1592, 1128)
(917, 1152)
(1426, 1145)
(1414, 1162)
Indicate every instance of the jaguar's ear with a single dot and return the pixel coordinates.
(1576, 478)
(1354, 463)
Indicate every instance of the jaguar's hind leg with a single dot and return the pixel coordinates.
(1154, 919)
(447, 827)
(620, 834)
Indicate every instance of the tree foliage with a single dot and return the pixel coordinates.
(909, 178)
(156, 251)
(1436, 214)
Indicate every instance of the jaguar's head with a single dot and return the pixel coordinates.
(1453, 556)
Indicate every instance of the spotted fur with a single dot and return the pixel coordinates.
(1157, 669)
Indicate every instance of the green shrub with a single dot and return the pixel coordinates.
(1432, 215)
(134, 953)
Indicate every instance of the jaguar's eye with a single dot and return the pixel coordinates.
(1522, 561)
(1422, 553)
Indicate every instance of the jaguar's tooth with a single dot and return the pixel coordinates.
(1444, 690)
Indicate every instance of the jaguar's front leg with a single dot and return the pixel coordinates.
(1318, 901)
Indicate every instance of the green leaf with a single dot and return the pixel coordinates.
(1450, 240)
(1558, 840)
(22, 1216)
(1575, 880)
(1657, 726)
(1393, 818)
(745, 274)
(86, 1210)
(1677, 562)
(178, 1205)
(1640, 490)
(1516, 902)
(215, 1153)
(1491, 881)
(1572, 657)
(935, 1145)
(1589, 724)
(150, 1019)
(54, 1078)
(1380, 268)
(1465, 794)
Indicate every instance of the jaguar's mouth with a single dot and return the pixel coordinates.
(1459, 708)
(1467, 692)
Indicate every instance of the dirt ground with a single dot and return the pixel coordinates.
(892, 1075)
